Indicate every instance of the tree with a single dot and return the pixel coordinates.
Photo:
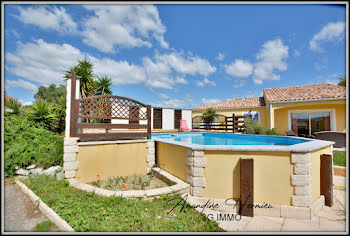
(84, 69)
(208, 116)
(51, 94)
(103, 86)
(342, 81)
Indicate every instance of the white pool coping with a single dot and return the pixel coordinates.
(313, 144)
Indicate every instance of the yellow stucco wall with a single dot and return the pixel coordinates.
(280, 110)
(272, 174)
(315, 174)
(241, 111)
(172, 159)
(110, 160)
(281, 113)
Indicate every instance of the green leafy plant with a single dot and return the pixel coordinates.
(43, 112)
(84, 69)
(253, 127)
(27, 142)
(88, 212)
(103, 86)
(14, 105)
(208, 116)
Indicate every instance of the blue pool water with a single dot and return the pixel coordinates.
(229, 139)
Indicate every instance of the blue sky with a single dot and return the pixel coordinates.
(176, 55)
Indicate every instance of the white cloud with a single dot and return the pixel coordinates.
(172, 103)
(239, 84)
(121, 72)
(210, 82)
(331, 32)
(207, 101)
(239, 68)
(181, 80)
(296, 53)
(20, 83)
(187, 65)
(158, 74)
(163, 96)
(42, 62)
(204, 82)
(220, 56)
(270, 58)
(199, 83)
(52, 18)
(333, 79)
(124, 26)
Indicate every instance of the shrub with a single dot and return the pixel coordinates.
(26, 142)
(253, 127)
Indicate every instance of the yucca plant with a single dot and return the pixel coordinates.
(84, 70)
(43, 112)
(103, 86)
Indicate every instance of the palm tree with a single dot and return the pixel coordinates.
(84, 69)
(43, 112)
(103, 86)
(208, 116)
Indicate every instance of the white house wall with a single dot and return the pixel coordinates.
(167, 119)
(187, 116)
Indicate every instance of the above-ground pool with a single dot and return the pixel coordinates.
(286, 171)
(229, 139)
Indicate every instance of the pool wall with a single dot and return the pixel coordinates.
(289, 180)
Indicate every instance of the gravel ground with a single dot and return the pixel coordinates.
(21, 215)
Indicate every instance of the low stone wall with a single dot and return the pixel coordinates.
(179, 187)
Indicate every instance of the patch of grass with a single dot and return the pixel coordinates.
(339, 158)
(43, 226)
(87, 212)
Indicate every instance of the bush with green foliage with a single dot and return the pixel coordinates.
(44, 113)
(26, 142)
(51, 93)
(253, 127)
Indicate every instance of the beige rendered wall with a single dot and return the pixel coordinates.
(281, 112)
(228, 112)
(172, 159)
(109, 160)
(272, 176)
(316, 171)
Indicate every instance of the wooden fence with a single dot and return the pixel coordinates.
(228, 123)
(105, 108)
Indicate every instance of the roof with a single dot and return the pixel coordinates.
(305, 92)
(235, 103)
(295, 93)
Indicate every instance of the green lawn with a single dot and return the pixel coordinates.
(43, 226)
(89, 212)
(339, 158)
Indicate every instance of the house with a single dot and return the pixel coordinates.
(304, 109)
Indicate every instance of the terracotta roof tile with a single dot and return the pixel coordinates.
(305, 92)
(235, 103)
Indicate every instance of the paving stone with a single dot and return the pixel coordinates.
(332, 214)
(330, 225)
(300, 225)
(264, 223)
(104, 192)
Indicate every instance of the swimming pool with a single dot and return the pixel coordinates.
(229, 139)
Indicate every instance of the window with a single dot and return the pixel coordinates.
(305, 124)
